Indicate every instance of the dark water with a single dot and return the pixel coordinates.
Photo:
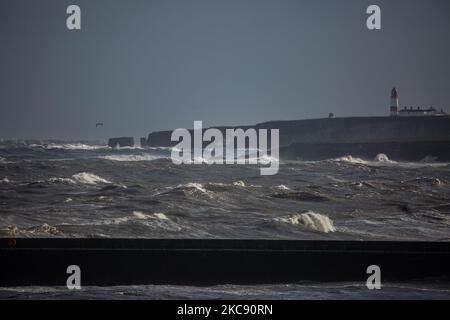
(304, 291)
(86, 190)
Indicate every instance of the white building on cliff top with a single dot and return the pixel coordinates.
(411, 111)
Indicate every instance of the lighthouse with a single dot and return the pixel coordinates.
(394, 102)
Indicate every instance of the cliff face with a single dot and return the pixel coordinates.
(346, 130)
(364, 136)
(362, 130)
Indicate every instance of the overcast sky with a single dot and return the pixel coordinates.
(147, 65)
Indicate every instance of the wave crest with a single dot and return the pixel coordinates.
(89, 178)
(4, 161)
(156, 220)
(192, 185)
(350, 159)
(81, 178)
(131, 157)
(68, 146)
(282, 187)
(309, 220)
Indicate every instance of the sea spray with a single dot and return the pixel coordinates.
(381, 157)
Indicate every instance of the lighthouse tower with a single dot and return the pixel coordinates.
(394, 102)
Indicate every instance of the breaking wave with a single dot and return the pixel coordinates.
(159, 216)
(379, 159)
(282, 187)
(131, 157)
(156, 220)
(68, 146)
(350, 159)
(61, 180)
(309, 220)
(239, 183)
(383, 160)
(249, 158)
(193, 186)
(89, 178)
(4, 161)
(208, 187)
(82, 178)
(137, 215)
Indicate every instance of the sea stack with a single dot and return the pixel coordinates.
(121, 142)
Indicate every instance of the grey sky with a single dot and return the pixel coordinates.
(140, 66)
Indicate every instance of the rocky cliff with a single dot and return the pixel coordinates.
(405, 138)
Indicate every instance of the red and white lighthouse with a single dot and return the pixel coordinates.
(394, 102)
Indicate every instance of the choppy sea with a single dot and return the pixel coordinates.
(86, 189)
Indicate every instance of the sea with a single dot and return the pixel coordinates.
(85, 189)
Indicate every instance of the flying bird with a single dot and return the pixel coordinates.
(98, 124)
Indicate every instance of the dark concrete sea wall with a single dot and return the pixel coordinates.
(106, 262)
(401, 138)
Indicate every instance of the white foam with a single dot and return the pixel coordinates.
(36, 230)
(155, 220)
(350, 159)
(236, 155)
(5, 180)
(381, 157)
(192, 185)
(4, 161)
(62, 180)
(218, 184)
(48, 229)
(239, 183)
(80, 178)
(135, 147)
(89, 178)
(310, 220)
(68, 146)
(266, 160)
(130, 157)
(160, 216)
(142, 216)
(383, 160)
(282, 187)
